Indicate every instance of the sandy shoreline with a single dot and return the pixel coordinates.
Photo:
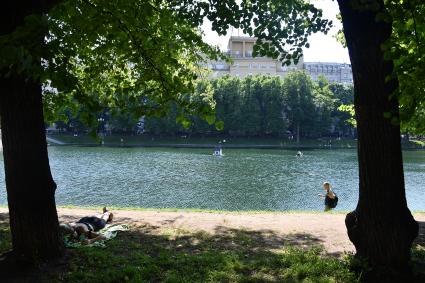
(302, 228)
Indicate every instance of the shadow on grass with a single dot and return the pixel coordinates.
(148, 253)
(420, 240)
(64, 218)
(418, 252)
(5, 239)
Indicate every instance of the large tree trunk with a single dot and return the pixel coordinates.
(29, 184)
(381, 228)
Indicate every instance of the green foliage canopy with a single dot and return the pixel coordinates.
(143, 56)
(138, 56)
(406, 48)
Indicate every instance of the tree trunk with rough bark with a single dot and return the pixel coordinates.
(29, 183)
(381, 228)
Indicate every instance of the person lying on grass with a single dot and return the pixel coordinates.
(85, 229)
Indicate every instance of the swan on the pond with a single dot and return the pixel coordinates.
(299, 154)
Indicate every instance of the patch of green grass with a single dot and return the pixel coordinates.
(5, 238)
(149, 254)
(418, 259)
(182, 256)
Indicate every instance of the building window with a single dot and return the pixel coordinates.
(219, 67)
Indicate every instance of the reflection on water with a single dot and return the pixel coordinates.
(243, 179)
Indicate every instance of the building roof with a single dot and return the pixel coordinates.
(246, 38)
(327, 63)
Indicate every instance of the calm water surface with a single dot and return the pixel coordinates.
(243, 179)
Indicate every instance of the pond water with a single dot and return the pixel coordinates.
(243, 179)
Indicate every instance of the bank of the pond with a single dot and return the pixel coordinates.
(236, 212)
(175, 209)
(149, 253)
(307, 229)
(208, 142)
(304, 228)
(214, 211)
(210, 146)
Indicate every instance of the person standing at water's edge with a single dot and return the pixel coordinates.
(331, 199)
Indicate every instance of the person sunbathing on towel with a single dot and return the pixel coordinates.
(85, 229)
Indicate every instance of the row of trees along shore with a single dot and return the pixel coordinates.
(269, 106)
(253, 106)
(117, 51)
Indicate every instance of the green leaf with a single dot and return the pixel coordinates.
(219, 125)
(210, 119)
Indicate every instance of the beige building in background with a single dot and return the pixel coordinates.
(334, 72)
(240, 49)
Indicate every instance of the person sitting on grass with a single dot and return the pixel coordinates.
(85, 228)
(331, 199)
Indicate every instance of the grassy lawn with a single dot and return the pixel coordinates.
(149, 254)
(152, 254)
(182, 256)
(5, 239)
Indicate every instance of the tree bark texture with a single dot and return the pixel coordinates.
(29, 183)
(381, 228)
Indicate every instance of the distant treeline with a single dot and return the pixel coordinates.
(253, 106)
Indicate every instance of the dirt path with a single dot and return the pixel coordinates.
(297, 228)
